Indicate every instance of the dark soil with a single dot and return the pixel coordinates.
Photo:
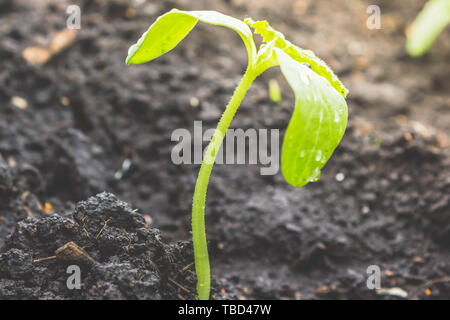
(383, 199)
(119, 255)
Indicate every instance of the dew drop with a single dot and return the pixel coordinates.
(324, 159)
(319, 155)
(339, 177)
(302, 154)
(365, 209)
(304, 78)
(315, 175)
(337, 118)
(194, 102)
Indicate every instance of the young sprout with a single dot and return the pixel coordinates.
(314, 131)
(430, 22)
(274, 91)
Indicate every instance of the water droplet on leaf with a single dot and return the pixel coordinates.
(337, 118)
(304, 78)
(315, 175)
(319, 155)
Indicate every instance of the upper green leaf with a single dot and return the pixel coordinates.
(317, 124)
(427, 26)
(271, 35)
(169, 29)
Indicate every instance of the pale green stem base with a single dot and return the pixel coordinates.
(198, 205)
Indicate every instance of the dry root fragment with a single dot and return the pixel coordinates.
(62, 40)
(19, 102)
(69, 252)
(72, 252)
(36, 55)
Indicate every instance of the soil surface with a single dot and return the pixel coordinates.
(78, 122)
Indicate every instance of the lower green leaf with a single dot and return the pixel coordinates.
(317, 124)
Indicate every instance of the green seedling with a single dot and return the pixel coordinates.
(314, 131)
(274, 91)
(430, 22)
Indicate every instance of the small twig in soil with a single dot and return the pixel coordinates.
(179, 286)
(187, 267)
(435, 281)
(180, 297)
(103, 228)
(85, 220)
(44, 259)
(130, 240)
(28, 211)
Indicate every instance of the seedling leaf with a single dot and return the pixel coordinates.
(428, 25)
(169, 29)
(307, 56)
(317, 124)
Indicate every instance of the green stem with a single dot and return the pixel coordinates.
(198, 204)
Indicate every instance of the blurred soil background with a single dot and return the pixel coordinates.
(76, 121)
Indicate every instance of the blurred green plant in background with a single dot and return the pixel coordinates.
(430, 22)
